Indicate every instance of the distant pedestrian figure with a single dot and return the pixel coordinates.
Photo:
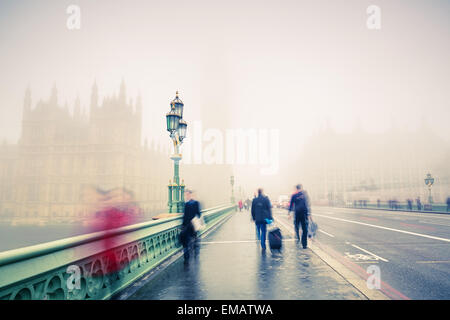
(248, 203)
(261, 212)
(419, 204)
(240, 205)
(188, 235)
(378, 203)
(300, 205)
(410, 205)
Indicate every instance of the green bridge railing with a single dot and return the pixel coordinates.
(47, 271)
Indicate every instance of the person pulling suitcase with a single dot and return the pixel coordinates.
(261, 211)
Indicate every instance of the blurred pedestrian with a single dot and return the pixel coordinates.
(188, 234)
(419, 204)
(300, 205)
(248, 203)
(394, 204)
(240, 205)
(409, 202)
(261, 212)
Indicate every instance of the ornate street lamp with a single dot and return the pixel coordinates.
(178, 105)
(182, 127)
(429, 180)
(177, 128)
(173, 121)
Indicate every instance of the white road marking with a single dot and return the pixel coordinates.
(386, 228)
(288, 228)
(328, 234)
(445, 261)
(372, 254)
(235, 241)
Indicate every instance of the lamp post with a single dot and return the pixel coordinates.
(177, 129)
(232, 189)
(429, 180)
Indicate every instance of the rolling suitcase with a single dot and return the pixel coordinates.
(275, 239)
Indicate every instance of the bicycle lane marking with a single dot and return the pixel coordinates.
(372, 254)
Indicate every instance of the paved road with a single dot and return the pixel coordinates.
(231, 266)
(411, 249)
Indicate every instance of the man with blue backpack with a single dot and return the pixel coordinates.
(300, 205)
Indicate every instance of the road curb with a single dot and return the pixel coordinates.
(348, 275)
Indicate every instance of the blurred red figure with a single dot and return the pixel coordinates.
(240, 205)
(111, 209)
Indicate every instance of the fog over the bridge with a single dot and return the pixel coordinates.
(299, 67)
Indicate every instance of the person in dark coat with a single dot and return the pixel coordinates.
(410, 204)
(419, 204)
(188, 235)
(261, 212)
(300, 205)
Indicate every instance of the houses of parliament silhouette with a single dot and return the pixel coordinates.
(64, 160)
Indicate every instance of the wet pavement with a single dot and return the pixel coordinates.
(231, 266)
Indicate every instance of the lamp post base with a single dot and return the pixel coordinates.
(176, 198)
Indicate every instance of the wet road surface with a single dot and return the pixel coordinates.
(231, 266)
(411, 249)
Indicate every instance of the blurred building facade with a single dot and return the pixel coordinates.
(339, 168)
(63, 158)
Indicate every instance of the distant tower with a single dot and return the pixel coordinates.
(54, 96)
(123, 94)
(138, 118)
(215, 108)
(94, 97)
(139, 105)
(27, 103)
(77, 109)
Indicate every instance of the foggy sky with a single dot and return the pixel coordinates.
(288, 65)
